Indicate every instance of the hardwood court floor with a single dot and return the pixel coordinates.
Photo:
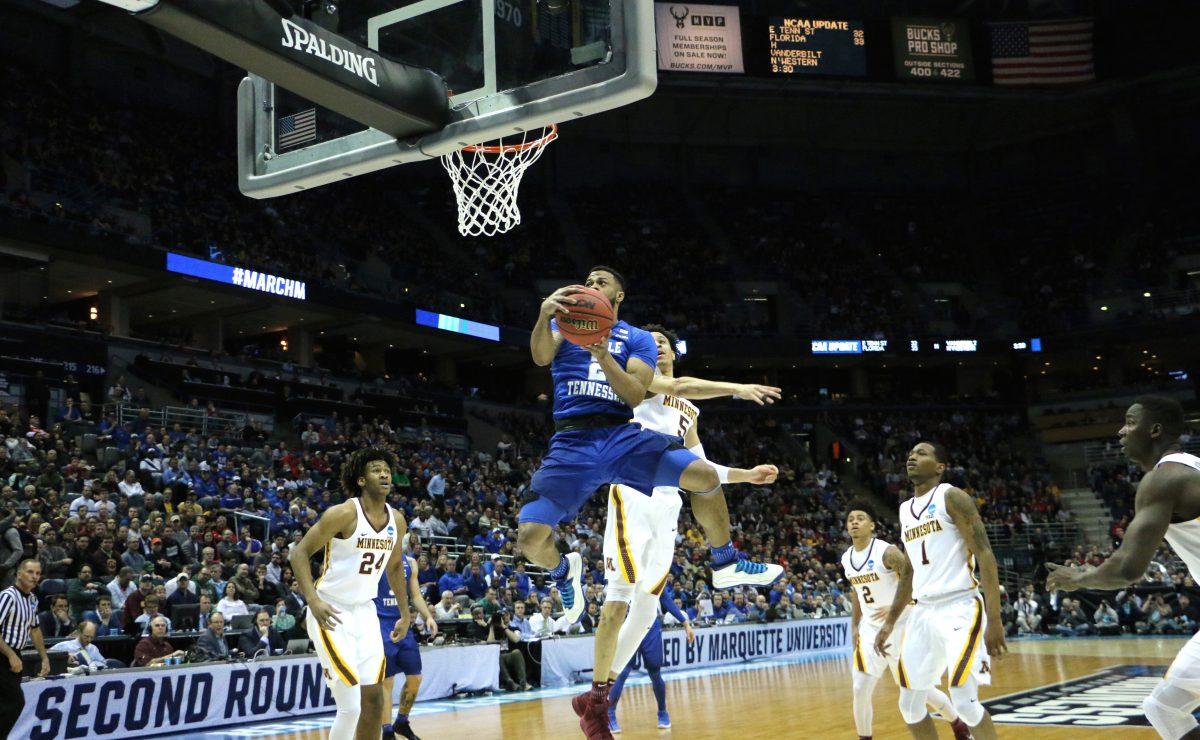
(809, 700)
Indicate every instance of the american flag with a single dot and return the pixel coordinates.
(297, 128)
(1043, 53)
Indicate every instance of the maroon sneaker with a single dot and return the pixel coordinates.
(594, 722)
(961, 730)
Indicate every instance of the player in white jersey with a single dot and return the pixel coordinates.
(872, 569)
(1167, 504)
(943, 538)
(360, 539)
(639, 533)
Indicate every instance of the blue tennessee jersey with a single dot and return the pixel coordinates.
(579, 384)
(385, 602)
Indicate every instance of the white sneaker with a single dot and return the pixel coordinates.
(571, 588)
(746, 573)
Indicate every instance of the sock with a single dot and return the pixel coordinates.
(660, 688)
(723, 555)
(560, 570)
(600, 691)
(618, 686)
(388, 730)
(401, 719)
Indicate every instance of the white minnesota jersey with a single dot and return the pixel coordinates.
(1184, 537)
(666, 414)
(353, 566)
(873, 582)
(942, 565)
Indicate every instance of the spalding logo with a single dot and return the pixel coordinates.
(583, 324)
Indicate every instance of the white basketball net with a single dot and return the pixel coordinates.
(486, 180)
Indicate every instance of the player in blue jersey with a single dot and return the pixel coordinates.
(403, 656)
(595, 444)
(651, 652)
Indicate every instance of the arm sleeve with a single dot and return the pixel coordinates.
(668, 603)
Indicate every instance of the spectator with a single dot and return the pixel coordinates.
(133, 558)
(183, 593)
(436, 488)
(132, 489)
(154, 650)
(544, 625)
(211, 642)
(81, 651)
(1072, 622)
(56, 621)
(447, 608)
(1028, 619)
(451, 581)
(520, 623)
(282, 621)
(121, 587)
(263, 638)
(107, 619)
(246, 587)
(1106, 620)
(83, 591)
(590, 618)
(150, 607)
(231, 605)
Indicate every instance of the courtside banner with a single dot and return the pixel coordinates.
(568, 660)
(157, 701)
(699, 38)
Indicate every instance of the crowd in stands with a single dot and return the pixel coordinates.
(855, 265)
(988, 459)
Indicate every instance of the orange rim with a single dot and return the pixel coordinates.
(550, 136)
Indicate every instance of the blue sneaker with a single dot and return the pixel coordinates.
(571, 588)
(613, 727)
(743, 572)
(664, 720)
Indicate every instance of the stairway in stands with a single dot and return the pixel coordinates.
(1091, 513)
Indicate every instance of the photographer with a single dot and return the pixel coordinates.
(1106, 619)
(496, 630)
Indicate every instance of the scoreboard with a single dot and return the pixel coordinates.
(813, 46)
(932, 49)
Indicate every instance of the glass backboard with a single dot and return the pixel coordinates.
(509, 65)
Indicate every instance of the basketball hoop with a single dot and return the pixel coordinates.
(486, 179)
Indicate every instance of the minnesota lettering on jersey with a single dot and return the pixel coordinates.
(373, 543)
(864, 579)
(921, 530)
(681, 406)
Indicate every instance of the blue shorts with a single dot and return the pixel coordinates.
(580, 461)
(402, 657)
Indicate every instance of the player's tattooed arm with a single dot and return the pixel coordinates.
(965, 514)
(897, 562)
(1153, 506)
(698, 389)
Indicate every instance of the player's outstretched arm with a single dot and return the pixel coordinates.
(543, 342)
(698, 389)
(1153, 506)
(896, 561)
(395, 575)
(336, 520)
(965, 514)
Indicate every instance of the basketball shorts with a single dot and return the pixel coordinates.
(945, 638)
(639, 539)
(351, 652)
(1185, 669)
(581, 461)
(864, 659)
(402, 657)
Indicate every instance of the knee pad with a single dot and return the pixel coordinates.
(614, 590)
(1169, 710)
(966, 702)
(912, 705)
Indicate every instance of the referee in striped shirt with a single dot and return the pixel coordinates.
(18, 622)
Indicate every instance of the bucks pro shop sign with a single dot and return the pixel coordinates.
(699, 38)
(1111, 698)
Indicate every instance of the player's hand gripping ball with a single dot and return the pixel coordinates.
(588, 319)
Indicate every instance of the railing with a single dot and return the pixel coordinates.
(1110, 452)
(222, 423)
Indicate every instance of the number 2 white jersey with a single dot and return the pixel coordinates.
(353, 566)
(666, 414)
(1184, 537)
(873, 582)
(942, 565)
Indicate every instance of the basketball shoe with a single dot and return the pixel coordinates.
(745, 572)
(571, 588)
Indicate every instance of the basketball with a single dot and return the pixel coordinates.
(588, 320)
